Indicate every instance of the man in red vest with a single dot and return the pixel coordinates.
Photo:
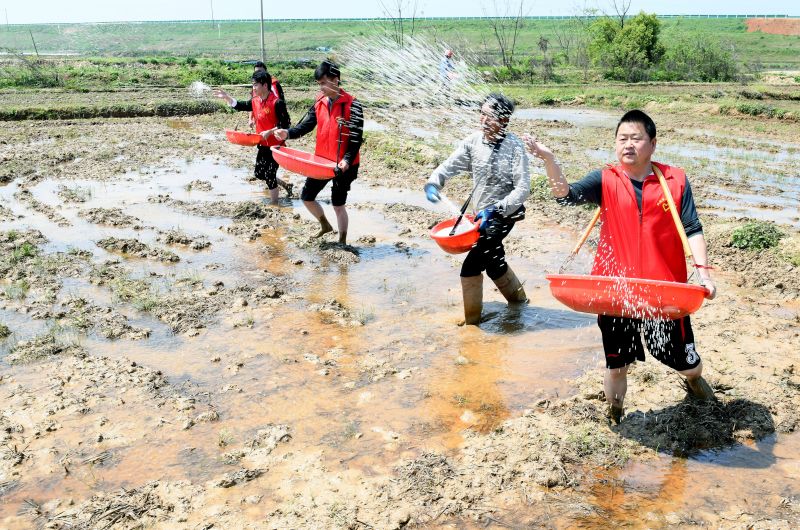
(339, 120)
(277, 89)
(269, 113)
(638, 239)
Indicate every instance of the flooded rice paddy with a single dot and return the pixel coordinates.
(246, 374)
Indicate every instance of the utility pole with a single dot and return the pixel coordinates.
(34, 43)
(263, 55)
(212, 13)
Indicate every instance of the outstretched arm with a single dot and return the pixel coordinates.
(559, 186)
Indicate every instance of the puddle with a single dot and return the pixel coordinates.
(372, 125)
(782, 209)
(711, 152)
(577, 117)
(701, 486)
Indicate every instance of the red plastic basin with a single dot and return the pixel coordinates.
(460, 242)
(243, 138)
(626, 297)
(303, 163)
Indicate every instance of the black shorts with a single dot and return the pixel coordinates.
(341, 185)
(669, 341)
(266, 167)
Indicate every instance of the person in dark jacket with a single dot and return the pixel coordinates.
(269, 113)
(339, 120)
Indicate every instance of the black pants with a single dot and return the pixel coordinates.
(488, 254)
(341, 185)
(266, 167)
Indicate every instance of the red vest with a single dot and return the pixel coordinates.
(329, 143)
(645, 245)
(266, 119)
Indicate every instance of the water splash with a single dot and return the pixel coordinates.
(409, 88)
(198, 89)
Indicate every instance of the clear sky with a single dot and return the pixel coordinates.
(38, 11)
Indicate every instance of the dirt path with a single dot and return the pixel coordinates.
(181, 354)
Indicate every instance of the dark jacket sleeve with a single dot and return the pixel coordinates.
(244, 105)
(279, 89)
(356, 126)
(689, 217)
(282, 113)
(587, 190)
(305, 126)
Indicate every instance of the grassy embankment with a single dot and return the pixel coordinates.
(290, 40)
(143, 69)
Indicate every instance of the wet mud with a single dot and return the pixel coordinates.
(176, 352)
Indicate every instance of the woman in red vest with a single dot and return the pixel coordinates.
(269, 113)
(339, 120)
(638, 239)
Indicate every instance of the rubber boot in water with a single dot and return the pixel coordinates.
(324, 227)
(511, 288)
(472, 291)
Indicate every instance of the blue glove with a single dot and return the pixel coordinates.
(484, 216)
(432, 193)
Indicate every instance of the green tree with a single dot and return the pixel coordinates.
(626, 53)
(697, 58)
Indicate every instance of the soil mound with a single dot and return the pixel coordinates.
(775, 26)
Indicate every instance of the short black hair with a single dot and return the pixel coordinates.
(637, 116)
(326, 68)
(259, 64)
(502, 107)
(262, 78)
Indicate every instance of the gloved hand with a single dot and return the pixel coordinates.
(484, 216)
(432, 193)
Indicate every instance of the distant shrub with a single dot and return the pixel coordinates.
(190, 61)
(696, 58)
(757, 235)
(296, 76)
(626, 53)
(4, 331)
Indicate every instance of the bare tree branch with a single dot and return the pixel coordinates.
(621, 8)
(393, 10)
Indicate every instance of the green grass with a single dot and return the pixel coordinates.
(758, 235)
(17, 290)
(171, 43)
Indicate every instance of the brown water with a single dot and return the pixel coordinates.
(439, 379)
(408, 380)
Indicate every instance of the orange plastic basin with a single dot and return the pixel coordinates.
(626, 297)
(303, 163)
(460, 242)
(243, 138)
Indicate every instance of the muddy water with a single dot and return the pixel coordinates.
(647, 495)
(577, 117)
(363, 396)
